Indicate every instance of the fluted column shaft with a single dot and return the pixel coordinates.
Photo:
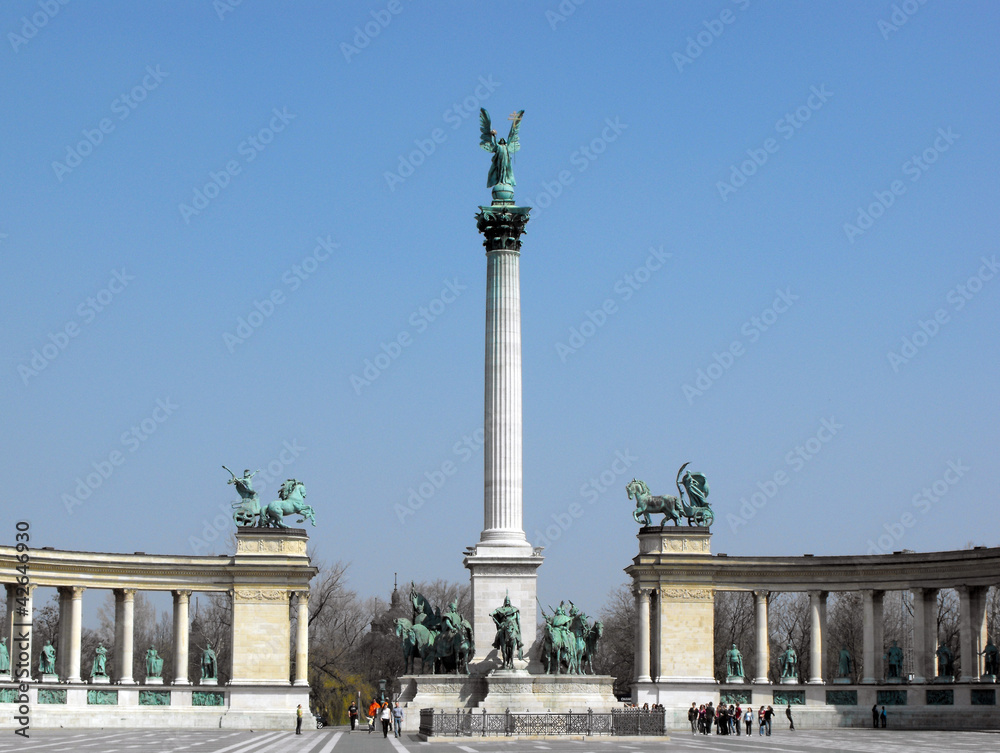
(503, 474)
(62, 638)
(124, 634)
(872, 636)
(75, 630)
(302, 639)
(817, 623)
(181, 601)
(924, 633)
(760, 634)
(642, 644)
(971, 623)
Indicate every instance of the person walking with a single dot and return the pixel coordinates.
(397, 719)
(709, 718)
(760, 721)
(748, 720)
(373, 709)
(298, 719)
(693, 717)
(352, 712)
(875, 716)
(386, 716)
(788, 713)
(737, 719)
(768, 716)
(883, 717)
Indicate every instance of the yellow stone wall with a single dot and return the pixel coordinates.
(687, 616)
(261, 635)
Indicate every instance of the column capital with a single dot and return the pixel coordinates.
(301, 595)
(77, 591)
(182, 593)
(128, 594)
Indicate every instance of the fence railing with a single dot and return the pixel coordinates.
(473, 723)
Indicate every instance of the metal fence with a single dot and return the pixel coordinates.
(472, 723)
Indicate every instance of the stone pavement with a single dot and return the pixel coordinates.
(339, 740)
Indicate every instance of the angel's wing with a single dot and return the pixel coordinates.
(513, 144)
(486, 140)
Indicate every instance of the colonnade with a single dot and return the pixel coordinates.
(68, 648)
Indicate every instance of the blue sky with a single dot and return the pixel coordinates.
(771, 226)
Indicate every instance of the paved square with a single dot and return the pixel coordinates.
(339, 741)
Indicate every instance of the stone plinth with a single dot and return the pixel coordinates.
(441, 691)
(49, 678)
(517, 691)
(735, 679)
(789, 681)
(497, 572)
(153, 681)
(842, 681)
(100, 680)
(208, 681)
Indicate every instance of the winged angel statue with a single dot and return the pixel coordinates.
(501, 171)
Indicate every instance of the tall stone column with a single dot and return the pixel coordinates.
(181, 638)
(924, 633)
(503, 563)
(872, 636)
(75, 630)
(972, 616)
(642, 644)
(124, 635)
(760, 633)
(302, 638)
(62, 637)
(817, 631)
(17, 629)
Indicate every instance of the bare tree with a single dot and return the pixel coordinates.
(734, 624)
(616, 650)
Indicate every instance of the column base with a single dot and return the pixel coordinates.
(126, 681)
(300, 684)
(154, 681)
(181, 682)
(816, 681)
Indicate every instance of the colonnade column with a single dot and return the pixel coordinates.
(642, 644)
(124, 634)
(181, 624)
(75, 628)
(924, 633)
(817, 631)
(872, 637)
(302, 639)
(971, 619)
(63, 639)
(760, 621)
(16, 624)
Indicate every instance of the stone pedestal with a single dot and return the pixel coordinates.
(153, 681)
(735, 679)
(893, 680)
(100, 680)
(47, 677)
(441, 691)
(944, 679)
(209, 681)
(789, 681)
(988, 678)
(498, 572)
(842, 681)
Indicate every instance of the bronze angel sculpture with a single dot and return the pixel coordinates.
(501, 172)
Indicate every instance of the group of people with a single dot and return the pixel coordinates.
(391, 717)
(732, 719)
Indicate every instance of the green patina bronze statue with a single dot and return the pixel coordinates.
(789, 663)
(444, 641)
(501, 175)
(247, 510)
(507, 619)
(250, 513)
(698, 512)
(47, 659)
(844, 668)
(99, 667)
(4, 657)
(734, 662)
(894, 660)
(569, 643)
(209, 664)
(154, 663)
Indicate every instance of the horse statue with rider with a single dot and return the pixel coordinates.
(697, 511)
(249, 513)
(443, 642)
(569, 643)
(507, 619)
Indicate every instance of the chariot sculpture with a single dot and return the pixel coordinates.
(697, 512)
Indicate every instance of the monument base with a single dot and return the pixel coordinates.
(842, 681)
(735, 679)
(789, 681)
(49, 678)
(988, 678)
(518, 691)
(100, 680)
(944, 679)
(441, 691)
(208, 681)
(893, 680)
(153, 681)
